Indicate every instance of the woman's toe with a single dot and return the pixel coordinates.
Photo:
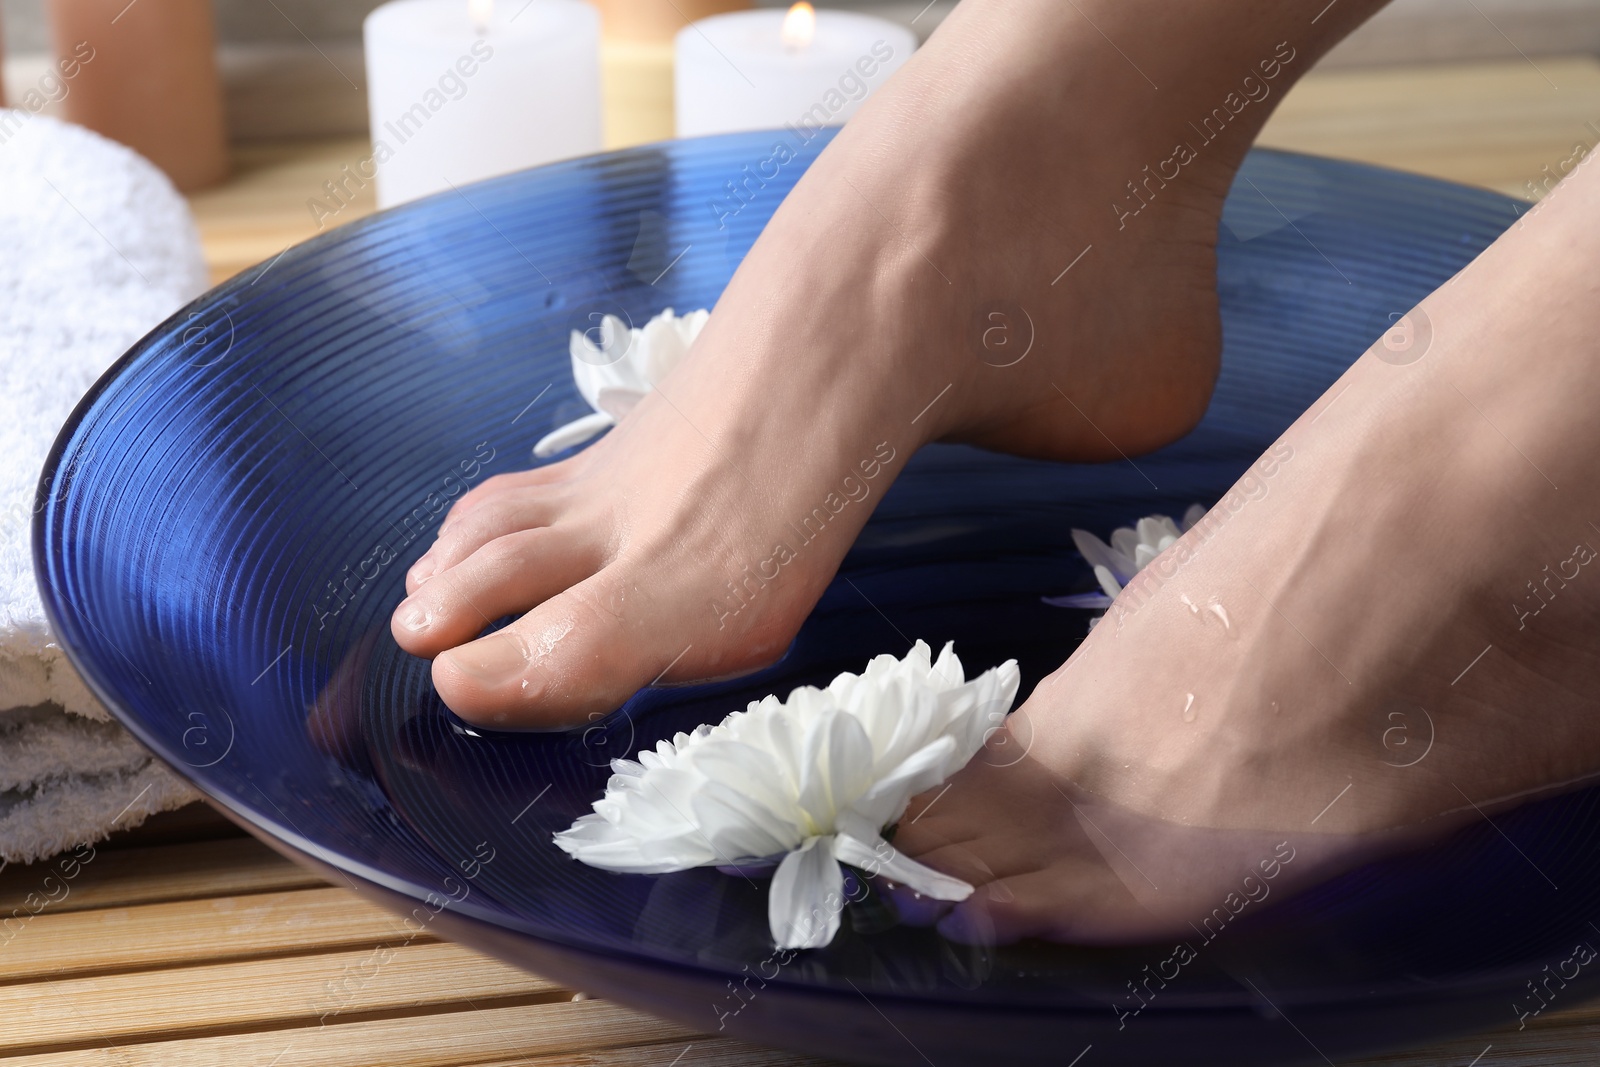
(1079, 901)
(497, 516)
(575, 655)
(512, 482)
(500, 578)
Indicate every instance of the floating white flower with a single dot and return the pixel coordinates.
(615, 374)
(813, 779)
(1130, 551)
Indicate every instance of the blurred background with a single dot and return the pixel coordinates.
(1491, 92)
(278, 58)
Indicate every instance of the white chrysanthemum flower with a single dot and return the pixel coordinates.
(814, 779)
(615, 374)
(1130, 551)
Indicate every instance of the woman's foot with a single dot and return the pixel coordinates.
(1395, 636)
(946, 270)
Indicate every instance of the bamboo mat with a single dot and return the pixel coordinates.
(217, 953)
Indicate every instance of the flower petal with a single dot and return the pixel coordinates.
(1108, 582)
(617, 400)
(607, 364)
(667, 339)
(880, 858)
(1148, 529)
(948, 671)
(575, 432)
(1100, 554)
(982, 708)
(740, 827)
(806, 896)
(1098, 601)
(598, 843)
(1125, 539)
(747, 768)
(837, 766)
(886, 800)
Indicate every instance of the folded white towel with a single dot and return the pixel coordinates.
(98, 248)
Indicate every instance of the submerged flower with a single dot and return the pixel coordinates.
(813, 779)
(1130, 551)
(616, 373)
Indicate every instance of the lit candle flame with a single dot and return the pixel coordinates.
(799, 25)
(480, 12)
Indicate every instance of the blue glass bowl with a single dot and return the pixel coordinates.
(232, 508)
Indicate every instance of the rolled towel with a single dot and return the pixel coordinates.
(99, 249)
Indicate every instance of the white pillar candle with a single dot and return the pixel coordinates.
(460, 90)
(755, 70)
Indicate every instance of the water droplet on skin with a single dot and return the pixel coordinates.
(1274, 707)
(552, 635)
(1184, 599)
(1222, 613)
(1188, 708)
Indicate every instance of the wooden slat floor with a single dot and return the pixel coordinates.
(214, 952)
(219, 953)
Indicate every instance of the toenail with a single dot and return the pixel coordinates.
(414, 617)
(423, 569)
(494, 660)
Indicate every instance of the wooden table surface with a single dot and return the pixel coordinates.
(217, 953)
